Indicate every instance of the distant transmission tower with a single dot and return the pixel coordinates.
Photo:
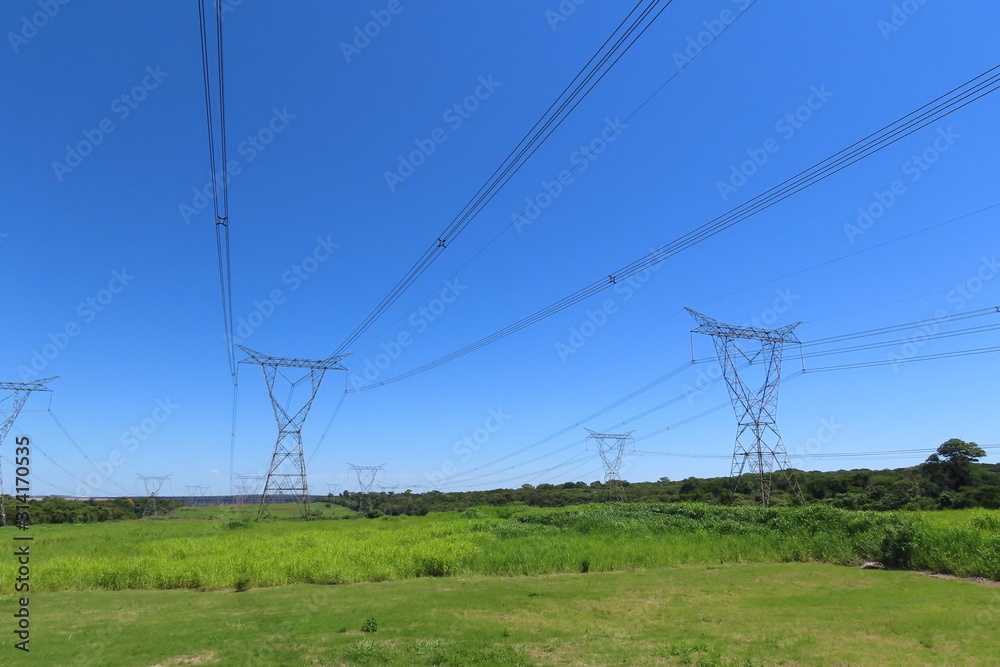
(195, 492)
(153, 484)
(759, 450)
(287, 472)
(366, 479)
(611, 447)
(248, 488)
(19, 392)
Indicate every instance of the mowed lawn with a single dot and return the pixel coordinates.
(733, 614)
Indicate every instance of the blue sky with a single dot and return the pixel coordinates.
(314, 126)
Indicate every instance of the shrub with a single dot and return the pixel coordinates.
(899, 545)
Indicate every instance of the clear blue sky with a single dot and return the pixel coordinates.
(344, 122)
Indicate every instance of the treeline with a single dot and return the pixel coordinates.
(63, 510)
(952, 478)
(941, 484)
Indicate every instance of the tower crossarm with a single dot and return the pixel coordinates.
(713, 327)
(34, 385)
(328, 364)
(610, 436)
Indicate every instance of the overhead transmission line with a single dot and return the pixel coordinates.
(907, 360)
(610, 52)
(73, 442)
(663, 378)
(464, 478)
(899, 341)
(886, 453)
(840, 258)
(218, 168)
(219, 173)
(36, 478)
(894, 328)
(957, 98)
(468, 476)
(599, 147)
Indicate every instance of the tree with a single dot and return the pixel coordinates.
(951, 465)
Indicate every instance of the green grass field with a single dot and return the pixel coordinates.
(682, 584)
(236, 553)
(716, 615)
(233, 512)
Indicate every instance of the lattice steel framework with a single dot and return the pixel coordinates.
(248, 487)
(758, 450)
(611, 447)
(19, 392)
(153, 484)
(286, 476)
(196, 491)
(366, 479)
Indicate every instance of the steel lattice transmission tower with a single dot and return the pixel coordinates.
(286, 476)
(249, 487)
(195, 492)
(611, 447)
(759, 450)
(366, 479)
(153, 484)
(19, 392)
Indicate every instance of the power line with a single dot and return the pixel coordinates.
(887, 453)
(220, 186)
(896, 328)
(82, 453)
(570, 97)
(594, 148)
(219, 174)
(900, 341)
(893, 328)
(955, 99)
(852, 254)
(577, 424)
(466, 478)
(907, 360)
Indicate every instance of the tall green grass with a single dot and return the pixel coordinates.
(203, 554)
